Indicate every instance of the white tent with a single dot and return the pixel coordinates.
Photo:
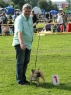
(36, 10)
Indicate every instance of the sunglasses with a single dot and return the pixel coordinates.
(28, 7)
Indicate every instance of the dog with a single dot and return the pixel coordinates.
(35, 76)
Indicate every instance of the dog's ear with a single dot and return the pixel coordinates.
(38, 69)
(32, 71)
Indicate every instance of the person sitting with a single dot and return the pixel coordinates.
(48, 26)
(5, 30)
(11, 26)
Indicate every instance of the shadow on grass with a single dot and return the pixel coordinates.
(61, 86)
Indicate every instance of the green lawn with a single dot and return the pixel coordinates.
(40, 25)
(54, 57)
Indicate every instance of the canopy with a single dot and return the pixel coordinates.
(54, 12)
(37, 10)
(9, 10)
(68, 11)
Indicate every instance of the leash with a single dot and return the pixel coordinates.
(37, 46)
(37, 51)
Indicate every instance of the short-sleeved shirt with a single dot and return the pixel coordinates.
(60, 19)
(25, 26)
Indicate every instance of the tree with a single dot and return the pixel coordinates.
(69, 2)
(43, 4)
(32, 2)
(11, 3)
(19, 2)
(3, 4)
(50, 5)
(55, 7)
(16, 7)
(47, 5)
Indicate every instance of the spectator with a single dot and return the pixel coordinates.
(64, 16)
(4, 18)
(59, 21)
(50, 16)
(47, 15)
(15, 15)
(5, 30)
(10, 22)
(34, 18)
(10, 17)
(48, 26)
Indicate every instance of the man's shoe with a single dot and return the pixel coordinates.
(21, 83)
(26, 82)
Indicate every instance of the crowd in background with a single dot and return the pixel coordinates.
(7, 23)
(60, 20)
(56, 21)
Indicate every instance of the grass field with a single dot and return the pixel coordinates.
(54, 57)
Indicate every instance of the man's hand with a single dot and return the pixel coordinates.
(21, 41)
(22, 46)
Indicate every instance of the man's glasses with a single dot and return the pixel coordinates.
(28, 7)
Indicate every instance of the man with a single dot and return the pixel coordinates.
(64, 16)
(59, 21)
(15, 15)
(47, 15)
(4, 18)
(22, 42)
(34, 18)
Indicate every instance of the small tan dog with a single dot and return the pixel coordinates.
(35, 76)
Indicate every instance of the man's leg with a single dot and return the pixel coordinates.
(20, 57)
(26, 61)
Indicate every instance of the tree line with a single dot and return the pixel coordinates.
(43, 4)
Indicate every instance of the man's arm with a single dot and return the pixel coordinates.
(21, 40)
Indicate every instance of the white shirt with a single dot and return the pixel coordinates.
(60, 19)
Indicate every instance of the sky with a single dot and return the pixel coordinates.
(58, 0)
